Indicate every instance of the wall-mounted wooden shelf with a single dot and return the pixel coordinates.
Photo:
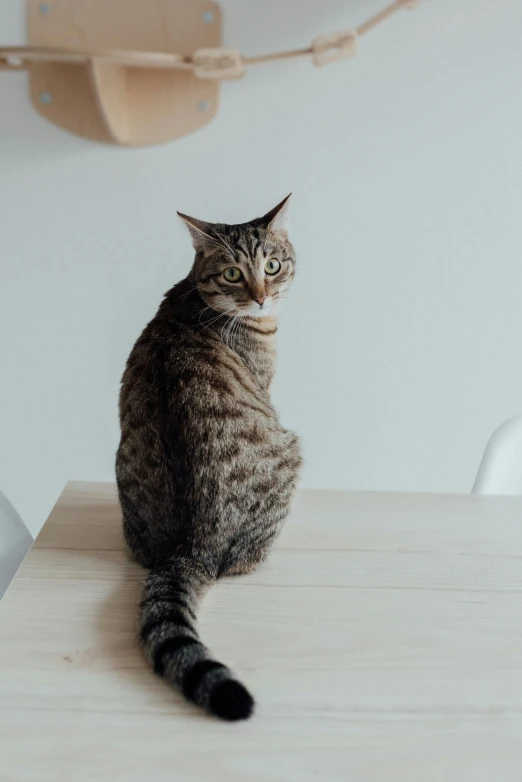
(102, 68)
(138, 72)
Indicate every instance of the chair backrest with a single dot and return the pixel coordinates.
(500, 470)
(15, 542)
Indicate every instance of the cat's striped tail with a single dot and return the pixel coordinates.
(171, 643)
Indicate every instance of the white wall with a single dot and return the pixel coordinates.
(400, 347)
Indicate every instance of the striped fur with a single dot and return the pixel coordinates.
(205, 471)
(172, 646)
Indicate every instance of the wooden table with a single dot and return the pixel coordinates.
(383, 642)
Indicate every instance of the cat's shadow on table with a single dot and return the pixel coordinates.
(116, 651)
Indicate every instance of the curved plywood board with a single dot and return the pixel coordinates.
(109, 86)
(118, 104)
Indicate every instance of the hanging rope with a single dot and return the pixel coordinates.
(218, 63)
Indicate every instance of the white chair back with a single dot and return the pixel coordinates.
(500, 470)
(15, 542)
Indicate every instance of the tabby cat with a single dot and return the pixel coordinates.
(205, 471)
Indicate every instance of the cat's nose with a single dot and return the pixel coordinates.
(261, 301)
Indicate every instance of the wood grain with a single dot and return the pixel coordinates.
(109, 87)
(383, 641)
(143, 106)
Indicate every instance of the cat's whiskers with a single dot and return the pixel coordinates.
(187, 293)
(222, 315)
(232, 332)
(213, 308)
(220, 241)
(235, 327)
(225, 313)
(241, 316)
(226, 244)
(202, 312)
(228, 328)
(217, 241)
(213, 320)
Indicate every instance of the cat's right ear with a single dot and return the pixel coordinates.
(200, 231)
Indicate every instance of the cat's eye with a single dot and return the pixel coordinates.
(233, 274)
(272, 266)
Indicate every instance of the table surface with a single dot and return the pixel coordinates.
(382, 641)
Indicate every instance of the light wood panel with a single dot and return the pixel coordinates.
(147, 105)
(109, 86)
(382, 640)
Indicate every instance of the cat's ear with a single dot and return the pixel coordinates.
(277, 218)
(200, 231)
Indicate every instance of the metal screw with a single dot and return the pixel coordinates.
(45, 9)
(208, 17)
(203, 105)
(46, 98)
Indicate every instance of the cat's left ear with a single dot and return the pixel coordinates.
(277, 218)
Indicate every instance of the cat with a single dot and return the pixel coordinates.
(205, 472)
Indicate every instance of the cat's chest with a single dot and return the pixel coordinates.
(259, 359)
